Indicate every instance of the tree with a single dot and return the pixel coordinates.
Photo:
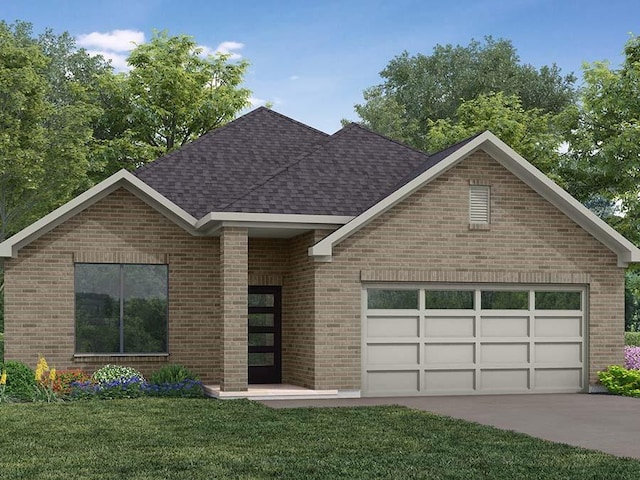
(603, 160)
(45, 122)
(530, 132)
(419, 89)
(171, 96)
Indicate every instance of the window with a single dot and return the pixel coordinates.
(392, 299)
(121, 308)
(504, 300)
(448, 299)
(479, 204)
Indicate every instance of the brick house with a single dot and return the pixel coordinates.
(269, 252)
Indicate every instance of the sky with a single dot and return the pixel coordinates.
(313, 58)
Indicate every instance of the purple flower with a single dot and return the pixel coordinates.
(632, 358)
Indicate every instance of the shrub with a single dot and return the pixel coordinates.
(113, 373)
(64, 379)
(632, 339)
(184, 389)
(21, 381)
(1, 347)
(172, 374)
(621, 381)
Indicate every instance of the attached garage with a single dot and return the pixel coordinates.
(473, 339)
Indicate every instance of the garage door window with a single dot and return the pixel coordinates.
(449, 299)
(504, 300)
(558, 300)
(393, 299)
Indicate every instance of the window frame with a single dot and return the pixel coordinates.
(121, 320)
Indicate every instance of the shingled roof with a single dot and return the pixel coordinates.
(264, 162)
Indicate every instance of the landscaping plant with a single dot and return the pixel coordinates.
(621, 381)
(62, 384)
(632, 358)
(20, 381)
(45, 377)
(174, 381)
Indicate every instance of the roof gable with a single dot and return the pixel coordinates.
(512, 161)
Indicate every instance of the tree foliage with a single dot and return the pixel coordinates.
(171, 96)
(530, 132)
(603, 161)
(421, 89)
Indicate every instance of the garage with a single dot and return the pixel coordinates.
(473, 339)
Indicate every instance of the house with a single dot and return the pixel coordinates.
(269, 252)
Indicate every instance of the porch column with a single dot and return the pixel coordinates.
(234, 251)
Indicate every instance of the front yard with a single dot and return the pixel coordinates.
(150, 438)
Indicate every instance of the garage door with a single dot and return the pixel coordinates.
(484, 339)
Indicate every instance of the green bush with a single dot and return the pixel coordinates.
(632, 339)
(172, 374)
(621, 381)
(21, 381)
(115, 373)
(1, 347)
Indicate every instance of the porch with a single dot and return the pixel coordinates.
(277, 392)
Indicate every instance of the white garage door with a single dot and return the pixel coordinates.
(461, 340)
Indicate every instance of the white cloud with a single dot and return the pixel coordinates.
(229, 48)
(294, 77)
(114, 41)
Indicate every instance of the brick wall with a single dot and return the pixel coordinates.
(427, 237)
(39, 292)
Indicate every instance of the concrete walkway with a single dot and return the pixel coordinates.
(607, 423)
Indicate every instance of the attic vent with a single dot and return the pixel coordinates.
(479, 204)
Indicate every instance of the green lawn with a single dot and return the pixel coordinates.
(206, 439)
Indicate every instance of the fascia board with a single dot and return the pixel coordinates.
(122, 178)
(270, 220)
(323, 250)
(627, 252)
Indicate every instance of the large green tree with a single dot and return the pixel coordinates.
(172, 95)
(46, 113)
(603, 161)
(420, 89)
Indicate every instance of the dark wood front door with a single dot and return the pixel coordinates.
(264, 335)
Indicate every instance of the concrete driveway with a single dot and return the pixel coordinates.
(607, 423)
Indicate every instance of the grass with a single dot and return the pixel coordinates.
(198, 439)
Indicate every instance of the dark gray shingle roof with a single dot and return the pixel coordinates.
(266, 162)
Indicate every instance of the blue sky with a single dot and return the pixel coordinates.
(312, 59)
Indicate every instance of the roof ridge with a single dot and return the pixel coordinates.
(281, 170)
(297, 160)
(216, 130)
(284, 117)
(397, 142)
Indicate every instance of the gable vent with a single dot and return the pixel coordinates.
(479, 204)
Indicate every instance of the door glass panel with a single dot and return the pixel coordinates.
(392, 299)
(558, 300)
(261, 320)
(261, 300)
(261, 339)
(504, 300)
(263, 359)
(449, 299)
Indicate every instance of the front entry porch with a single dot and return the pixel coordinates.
(278, 391)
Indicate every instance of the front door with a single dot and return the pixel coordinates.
(264, 335)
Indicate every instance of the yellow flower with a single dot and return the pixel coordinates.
(3, 378)
(41, 369)
(52, 375)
